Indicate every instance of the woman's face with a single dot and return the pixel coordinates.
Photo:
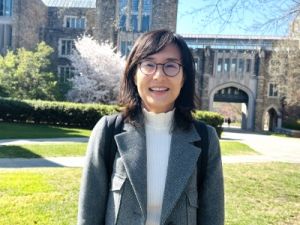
(159, 91)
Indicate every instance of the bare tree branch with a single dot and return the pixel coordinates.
(269, 14)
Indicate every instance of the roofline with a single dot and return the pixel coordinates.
(224, 36)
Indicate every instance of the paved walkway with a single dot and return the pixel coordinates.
(276, 148)
(41, 140)
(271, 148)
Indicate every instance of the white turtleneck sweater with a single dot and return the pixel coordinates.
(158, 141)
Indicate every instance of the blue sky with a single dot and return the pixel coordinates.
(193, 23)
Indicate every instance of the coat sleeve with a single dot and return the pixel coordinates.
(93, 189)
(211, 197)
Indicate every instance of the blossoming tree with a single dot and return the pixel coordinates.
(98, 68)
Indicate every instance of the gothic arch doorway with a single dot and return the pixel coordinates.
(235, 93)
(271, 119)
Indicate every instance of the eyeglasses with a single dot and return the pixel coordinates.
(171, 69)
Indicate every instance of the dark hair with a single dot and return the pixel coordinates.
(148, 44)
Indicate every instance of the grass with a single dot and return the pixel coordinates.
(262, 194)
(19, 130)
(256, 194)
(79, 149)
(39, 196)
(43, 150)
(236, 148)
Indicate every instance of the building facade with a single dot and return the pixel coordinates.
(122, 21)
(24, 23)
(229, 68)
(239, 69)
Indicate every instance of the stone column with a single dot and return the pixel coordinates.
(128, 15)
(140, 15)
(260, 91)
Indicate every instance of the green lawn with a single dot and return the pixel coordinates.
(262, 194)
(19, 130)
(79, 149)
(39, 196)
(256, 194)
(236, 148)
(43, 150)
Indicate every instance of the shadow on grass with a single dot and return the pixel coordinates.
(15, 151)
(18, 157)
(20, 130)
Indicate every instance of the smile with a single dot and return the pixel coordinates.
(159, 89)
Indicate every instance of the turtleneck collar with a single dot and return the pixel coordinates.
(159, 120)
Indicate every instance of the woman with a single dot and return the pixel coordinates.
(154, 177)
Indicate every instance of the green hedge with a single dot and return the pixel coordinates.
(54, 113)
(72, 114)
(292, 124)
(212, 118)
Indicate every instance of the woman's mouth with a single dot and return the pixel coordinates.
(159, 89)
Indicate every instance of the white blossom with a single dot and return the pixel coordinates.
(98, 68)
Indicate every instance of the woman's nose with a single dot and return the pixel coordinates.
(159, 72)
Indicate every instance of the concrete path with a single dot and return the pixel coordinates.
(282, 149)
(10, 163)
(271, 148)
(41, 140)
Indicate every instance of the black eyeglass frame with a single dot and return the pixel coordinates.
(163, 68)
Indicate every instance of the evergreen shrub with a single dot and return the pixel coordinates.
(73, 114)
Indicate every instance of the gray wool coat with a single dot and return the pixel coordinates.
(125, 202)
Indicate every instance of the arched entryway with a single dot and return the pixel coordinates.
(235, 93)
(272, 119)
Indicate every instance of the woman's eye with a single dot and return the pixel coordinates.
(171, 65)
(150, 65)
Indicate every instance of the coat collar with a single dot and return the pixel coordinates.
(182, 162)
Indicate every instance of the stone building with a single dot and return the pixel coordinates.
(229, 68)
(24, 23)
(239, 69)
(122, 21)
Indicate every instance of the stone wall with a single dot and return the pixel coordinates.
(29, 16)
(55, 30)
(164, 14)
(105, 20)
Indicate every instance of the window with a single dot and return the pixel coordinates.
(241, 66)
(5, 7)
(273, 91)
(147, 11)
(125, 47)
(233, 65)
(226, 65)
(134, 18)
(219, 66)
(196, 59)
(74, 22)
(134, 23)
(66, 46)
(65, 72)
(123, 23)
(145, 23)
(135, 5)
(5, 37)
(248, 65)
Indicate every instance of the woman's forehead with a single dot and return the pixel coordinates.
(170, 52)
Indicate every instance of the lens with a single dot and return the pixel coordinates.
(147, 67)
(171, 68)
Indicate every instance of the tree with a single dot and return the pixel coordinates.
(285, 73)
(269, 15)
(98, 69)
(24, 74)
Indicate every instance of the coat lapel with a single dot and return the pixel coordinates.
(182, 162)
(132, 148)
